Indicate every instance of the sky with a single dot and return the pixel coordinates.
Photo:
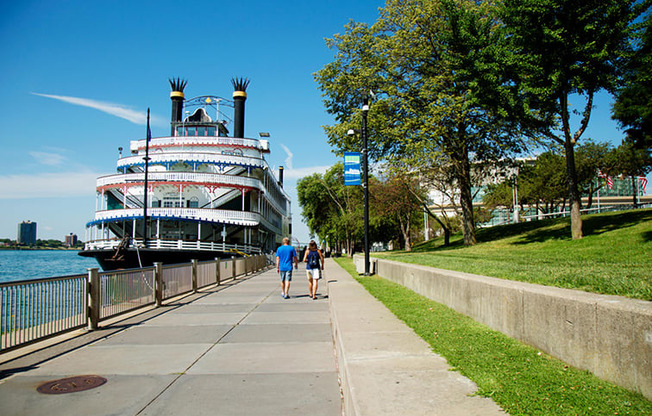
(80, 75)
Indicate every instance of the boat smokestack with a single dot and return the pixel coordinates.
(177, 97)
(239, 97)
(280, 175)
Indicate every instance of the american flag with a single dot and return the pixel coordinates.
(610, 182)
(600, 174)
(643, 180)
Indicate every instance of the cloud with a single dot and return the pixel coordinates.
(303, 172)
(118, 110)
(49, 159)
(48, 185)
(288, 160)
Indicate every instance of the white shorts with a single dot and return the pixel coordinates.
(313, 274)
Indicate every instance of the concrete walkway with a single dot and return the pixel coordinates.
(241, 349)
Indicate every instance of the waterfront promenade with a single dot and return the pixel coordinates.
(241, 349)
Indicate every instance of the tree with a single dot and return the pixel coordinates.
(438, 71)
(567, 49)
(399, 198)
(630, 160)
(331, 209)
(633, 104)
(592, 157)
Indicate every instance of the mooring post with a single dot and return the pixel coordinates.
(194, 275)
(158, 283)
(217, 270)
(94, 298)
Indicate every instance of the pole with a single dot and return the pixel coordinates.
(365, 160)
(149, 136)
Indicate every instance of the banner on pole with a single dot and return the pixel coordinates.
(351, 168)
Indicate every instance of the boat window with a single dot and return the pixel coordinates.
(193, 202)
(179, 130)
(190, 131)
(201, 131)
(211, 131)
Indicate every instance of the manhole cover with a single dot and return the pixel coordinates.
(71, 384)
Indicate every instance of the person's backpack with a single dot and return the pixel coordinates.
(313, 260)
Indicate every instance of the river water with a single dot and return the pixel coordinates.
(18, 265)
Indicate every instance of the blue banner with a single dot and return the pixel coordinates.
(351, 168)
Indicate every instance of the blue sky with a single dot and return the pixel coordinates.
(78, 77)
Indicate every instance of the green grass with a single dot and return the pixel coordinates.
(614, 257)
(521, 379)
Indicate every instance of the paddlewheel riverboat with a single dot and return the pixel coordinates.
(195, 194)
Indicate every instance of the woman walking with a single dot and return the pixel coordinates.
(314, 267)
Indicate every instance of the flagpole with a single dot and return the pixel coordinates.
(149, 136)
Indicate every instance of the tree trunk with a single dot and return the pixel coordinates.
(463, 173)
(634, 192)
(575, 201)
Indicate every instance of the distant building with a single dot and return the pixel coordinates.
(71, 240)
(26, 233)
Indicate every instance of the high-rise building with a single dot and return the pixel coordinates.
(26, 233)
(71, 240)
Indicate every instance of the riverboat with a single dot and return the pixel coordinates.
(195, 194)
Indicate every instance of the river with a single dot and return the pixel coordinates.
(18, 265)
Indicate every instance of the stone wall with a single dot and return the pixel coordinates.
(611, 336)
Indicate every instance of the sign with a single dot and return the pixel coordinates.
(351, 168)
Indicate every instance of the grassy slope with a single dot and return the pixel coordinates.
(522, 380)
(614, 257)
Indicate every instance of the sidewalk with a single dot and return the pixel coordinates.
(238, 349)
(241, 349)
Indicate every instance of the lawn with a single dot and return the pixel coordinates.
(614, 257)
(521, 379)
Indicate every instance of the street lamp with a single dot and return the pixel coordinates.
(365, 183)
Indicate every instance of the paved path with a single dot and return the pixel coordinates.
(239, 349)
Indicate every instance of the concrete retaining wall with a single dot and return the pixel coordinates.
(611, 336)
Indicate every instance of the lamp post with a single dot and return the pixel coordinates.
(365, 181)
(365, 169)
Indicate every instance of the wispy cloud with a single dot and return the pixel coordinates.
(302, 172)
(48, 185)
(48, 158)
(118, 110)
(288, 160)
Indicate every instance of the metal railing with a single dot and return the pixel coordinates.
(34, 310)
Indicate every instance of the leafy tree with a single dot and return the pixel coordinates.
(331, 209)
(442, 90)
(630, 160)
(592, 157)
(633, 105)
(567, 49)
(399, 198)
(543, 184)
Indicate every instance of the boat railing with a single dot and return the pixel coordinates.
(199, 141)
(35, 310)
(246, 218)
(174, 177)
(194, 245)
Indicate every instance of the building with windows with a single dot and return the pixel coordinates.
(70, 240)
(26, 234)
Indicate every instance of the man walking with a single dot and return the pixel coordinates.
(285, 255)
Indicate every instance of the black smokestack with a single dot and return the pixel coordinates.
(280, 176)
(239, 97)
(177, 97)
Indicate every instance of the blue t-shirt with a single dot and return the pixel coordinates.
(285, 254)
